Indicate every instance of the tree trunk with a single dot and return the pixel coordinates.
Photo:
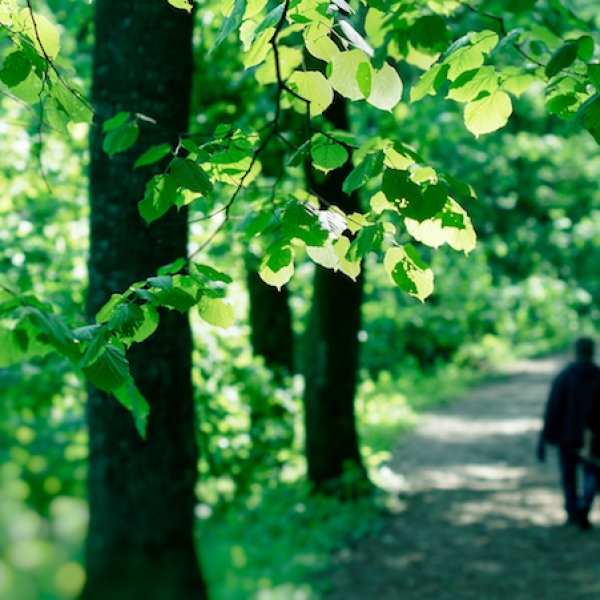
(331, 355)
(272, 337)
(140, 542)
(271, 331)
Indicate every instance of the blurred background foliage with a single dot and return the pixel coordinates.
(529, 287)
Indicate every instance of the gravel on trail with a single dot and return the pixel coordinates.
(478, 516)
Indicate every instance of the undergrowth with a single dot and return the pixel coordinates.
(279, 542)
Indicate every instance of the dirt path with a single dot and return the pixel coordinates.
(479, 517)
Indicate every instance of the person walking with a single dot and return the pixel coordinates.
(569, 424)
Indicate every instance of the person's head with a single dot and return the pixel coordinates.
(584, 348)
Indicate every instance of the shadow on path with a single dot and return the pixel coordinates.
(478, 516)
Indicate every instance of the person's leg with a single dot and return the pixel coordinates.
(590, 481)
(568, 472)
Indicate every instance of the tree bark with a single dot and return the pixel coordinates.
(271, 332)
(272, 337)
(332, 354)
(140, 541)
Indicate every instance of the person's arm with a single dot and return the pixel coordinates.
(541, 449)
(588, 436)
(552, 416)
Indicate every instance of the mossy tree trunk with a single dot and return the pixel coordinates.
(140, 542)
(332, 354)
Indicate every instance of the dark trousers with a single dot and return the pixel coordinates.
(577, 503)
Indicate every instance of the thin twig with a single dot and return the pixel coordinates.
(61, 79)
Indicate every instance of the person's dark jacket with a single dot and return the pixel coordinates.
(574, 399)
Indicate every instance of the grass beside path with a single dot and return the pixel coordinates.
(274, 546)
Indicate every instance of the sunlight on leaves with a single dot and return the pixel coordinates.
(488, 113)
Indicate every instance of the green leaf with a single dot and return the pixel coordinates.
(461, 42)
(429, 82)
(173, 267)
(352, 269)
(55, 115)
(318, 42)
(488, 113)
(562, 58)
(30, 90)
(109, 371)
(183, 5)
(433, 200)
(464, 59)
(259, 49)
(277, 267)
(368, 238)
(231, 23)
(57, 333)
(429, 33)
(289, 59)
(149, 324)
(10, 350)
(407, 271)
(21, 339)
(515, 81)
(452, 226)
(86, 333)
(104, 313)
(369, 167)
(175, 298)
(380, 203)
(364, 78)
(354, 37)
(386, 87)
(212, 274)
(162, 282)
(301, 221)
(589, 113)
(314, 87)
(96, 347)
(461, 188)
(344, 68)
(146, 296)
(160, 196)
(15, 69)
(171, 295)
(299, 156)
(131, 398)
(216, 312)
(152, 155)
(586, 48)
(327, 155)
(271, 20)
(39, 30)
(485, 41)
(253, 224)
(563, 105)
(325, 256)
(73, 102)
(114, 122)
(189, 175)
(396, 185)
(594, 75)
(126, 319)
(188, 284)
(121, 138)
(279, 256)
(470, 84)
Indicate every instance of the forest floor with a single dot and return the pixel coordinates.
(478, 516)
